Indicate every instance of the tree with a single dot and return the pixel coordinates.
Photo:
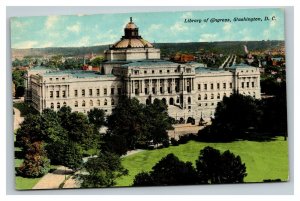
(143, 179)
(216, 168)
(127, 120)
(233, 117)
(168, 171)
(35, 164)
(97, 117)
(29, 131)
(157, 121)
(102, 171)
(97, 61)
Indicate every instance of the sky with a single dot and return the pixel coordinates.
(161, 27)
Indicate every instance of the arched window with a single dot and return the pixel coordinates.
(64, 104)
(112, 101)
(98, 102)
(58, 105)
(105, 102)
(91, 103)
(76, 104)
(83, 103)
(52, 105)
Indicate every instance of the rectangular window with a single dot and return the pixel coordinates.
(51, 94)
(199, 87)
(146, 90)
(119, 91)
(211, 86)
(105, 91)
(57, 94)
(205, 86)
(224, 85)
(247, 84)
(98, 92)
(243, 85)
(83, 93)
(160, 71)
(90, 92)
(64, 94)
(218, 85)
(230, 85)
(145, 72)
(75, 93)
(152, 71)
(168, 71)
(252, 84)
(112, 90)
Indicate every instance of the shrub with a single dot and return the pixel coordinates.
(174, 142)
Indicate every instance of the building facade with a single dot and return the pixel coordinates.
(133, 68)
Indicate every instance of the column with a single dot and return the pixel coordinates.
(150, 86)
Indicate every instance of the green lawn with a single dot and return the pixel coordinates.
(264, 160)
(24, 183)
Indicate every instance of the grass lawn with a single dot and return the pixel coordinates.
(24, 183)
(264, 160)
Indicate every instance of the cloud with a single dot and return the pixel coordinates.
(208, 37)
(155, 27)
(50, 22)
(227, 27)
(74, 28)
(187, 15)
(26, 44)
(178, 27)
(84, 41)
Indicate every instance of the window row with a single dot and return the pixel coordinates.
(96, 92)
(83, 103)
(212, 96)
(58, 94)
(247, 84)
(213, 86)
(56, 79)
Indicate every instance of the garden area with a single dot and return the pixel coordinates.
(264, 160)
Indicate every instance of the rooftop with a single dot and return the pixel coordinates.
(78, 74)
(149, 63)
(241, 65)
(209, 70)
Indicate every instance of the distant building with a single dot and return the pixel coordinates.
(133, 67)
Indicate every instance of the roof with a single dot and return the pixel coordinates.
(131, 25)
(209, 70)
(78, 74)
(41, 68)
(241, 65)
(149, 63)
(132, 43)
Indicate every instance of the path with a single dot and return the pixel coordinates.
(17, 118)
(54, 179)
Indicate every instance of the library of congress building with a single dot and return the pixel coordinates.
(132, 66)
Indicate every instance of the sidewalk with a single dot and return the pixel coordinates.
(54, 179)
(17, 118)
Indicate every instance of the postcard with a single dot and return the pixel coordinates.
(149, 99)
